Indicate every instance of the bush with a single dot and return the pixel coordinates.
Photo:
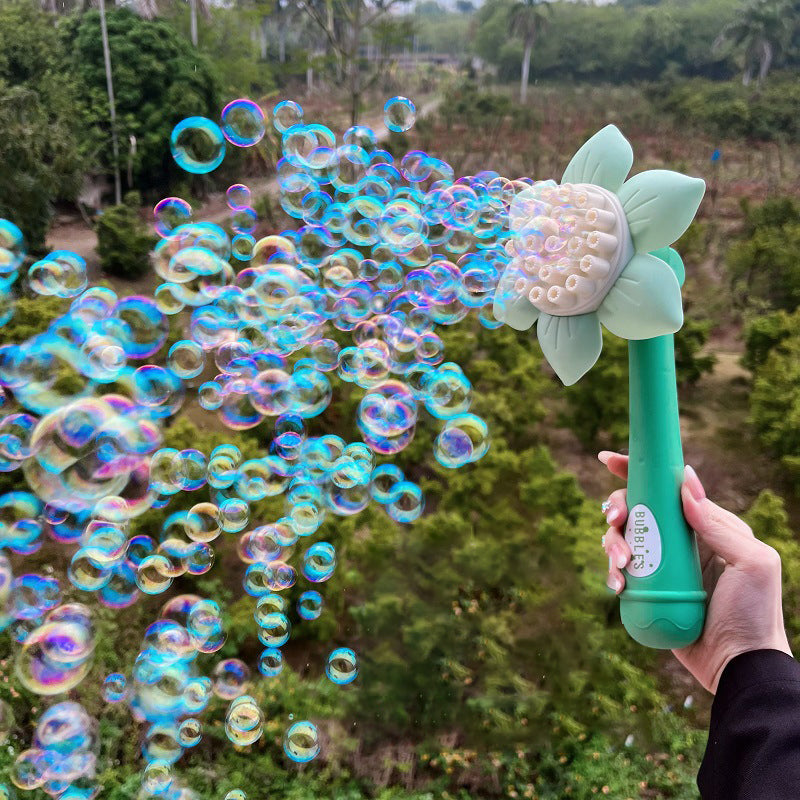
(731, 110)
(123, 243)
(775, 404)
(762, 263)
(763, 334)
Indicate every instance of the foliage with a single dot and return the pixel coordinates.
(770, 522)
(728, 109)
(763, 333)
(159, 79)
(775, 403)
(762, 263)
(123, 242)
(616, 44)
(40, 160)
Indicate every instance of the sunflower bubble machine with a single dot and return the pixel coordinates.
(591, 252)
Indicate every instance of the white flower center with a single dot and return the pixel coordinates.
(568, 245)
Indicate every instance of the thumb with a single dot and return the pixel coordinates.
(722, 531)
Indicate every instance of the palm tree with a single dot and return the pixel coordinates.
(527, 19)
(763, 28)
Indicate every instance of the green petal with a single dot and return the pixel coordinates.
(674, 261)
(572, 345)
(659, 205)
(509, 307)
(604, 160)
(645, 301)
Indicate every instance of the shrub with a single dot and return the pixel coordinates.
(762, 263)
(123, 243)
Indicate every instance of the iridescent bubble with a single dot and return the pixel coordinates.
(238, 196)
(243, 123)
(464, 438)
(342, 666)
(157, 777)
(190, 732)
(301, 742)
(197, 145)
(12, 247)
(286, 114)
(236, 794)
(230, 678)
(186, 359)
(309, 605)
(270, 662)
(399, 114)
(407, 503)
(319, 562)
(169, 214)
(244, 722)
(115, 687)
(274, 630)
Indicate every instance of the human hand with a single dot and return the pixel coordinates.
(741, 574)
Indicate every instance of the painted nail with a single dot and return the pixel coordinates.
(604, 455)
(615, 517)
(614, 583)
(696, 489)
(621, 560)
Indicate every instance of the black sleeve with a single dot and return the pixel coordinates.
(753, 749)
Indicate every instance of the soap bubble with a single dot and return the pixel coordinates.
(115, 688)
(319, 562)
(399, 114)
(342, 666)
(230, 678)
(243, 123)
(197, 145)
(301, 742)
(169, 214)
(236, 794)
(12, 247)
(190, 732)
(244, 722)
(270, 662)
(285, 115)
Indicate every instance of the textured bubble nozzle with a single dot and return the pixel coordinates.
(594, 251)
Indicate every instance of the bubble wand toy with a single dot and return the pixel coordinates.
(594, 251)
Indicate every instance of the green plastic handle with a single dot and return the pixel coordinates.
(663, 604)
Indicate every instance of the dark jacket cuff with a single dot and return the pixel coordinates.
(751, 669)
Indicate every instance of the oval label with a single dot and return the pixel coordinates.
(644, 539)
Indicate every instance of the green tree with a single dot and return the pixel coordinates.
(762, 29)
(123, 242)
(770, 522)
(41, 159)
(158, 80)
(761, 262)
(775, 404)
(527, 19)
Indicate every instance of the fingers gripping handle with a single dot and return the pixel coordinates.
(663, 605)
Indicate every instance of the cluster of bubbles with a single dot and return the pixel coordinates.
(62, 760)
(382, 252)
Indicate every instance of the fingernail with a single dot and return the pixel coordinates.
(693, 484)
(621, 560)
(604, 455)
(615, 517)
(614, 583)
(610, 564)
